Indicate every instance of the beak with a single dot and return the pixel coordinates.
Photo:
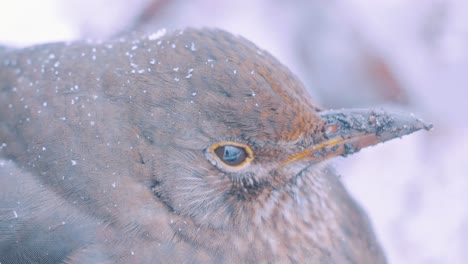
(347, 131)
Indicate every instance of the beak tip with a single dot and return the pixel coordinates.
(421, 123)
(414, 124)
(428, 126)
(401, 124)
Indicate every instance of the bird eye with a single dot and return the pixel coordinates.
(233, 154)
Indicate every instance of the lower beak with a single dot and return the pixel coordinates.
(347, 131)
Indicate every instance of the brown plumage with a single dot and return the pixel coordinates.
(192, 147)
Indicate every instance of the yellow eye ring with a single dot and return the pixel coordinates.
(231, 154)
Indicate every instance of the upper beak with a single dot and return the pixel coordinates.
(347, 131)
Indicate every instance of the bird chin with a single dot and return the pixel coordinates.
(304, 168)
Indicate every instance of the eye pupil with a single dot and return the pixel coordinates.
(231, 155)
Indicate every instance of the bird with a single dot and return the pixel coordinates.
(189, 146)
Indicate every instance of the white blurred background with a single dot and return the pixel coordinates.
(403, 54)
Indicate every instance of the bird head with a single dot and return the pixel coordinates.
(235, 127)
